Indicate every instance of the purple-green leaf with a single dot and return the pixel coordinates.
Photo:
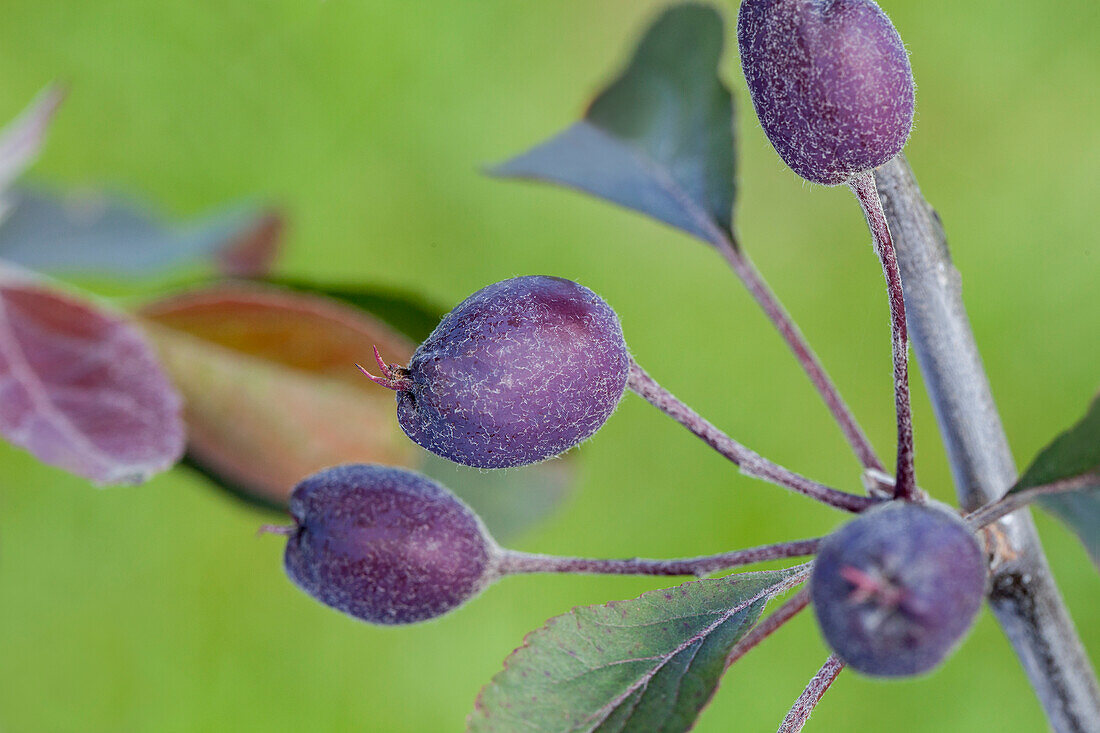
(94, 232)
(649, 664)
(1073, 453)
(81, 390)
(660, 138)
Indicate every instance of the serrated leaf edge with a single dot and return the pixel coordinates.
(796, 576)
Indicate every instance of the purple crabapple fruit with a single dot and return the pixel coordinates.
(830, 81)
(386, 545)
(895, 589)
(519, 372)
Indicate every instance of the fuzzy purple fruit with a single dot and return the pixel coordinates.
(386, 545)
(897, 588)
(830, 81)
(518, 372)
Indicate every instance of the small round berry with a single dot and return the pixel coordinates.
(830, 81)
(896, 589)
(386, 545)
(517, 373)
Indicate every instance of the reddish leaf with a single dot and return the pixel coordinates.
(22, 139)
(270, 385)
(80, 388)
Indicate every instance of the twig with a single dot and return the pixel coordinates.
(804, 706)
(769, 626)
(751, 463)
(864, 188)
(1018, 500)
(1023, 594)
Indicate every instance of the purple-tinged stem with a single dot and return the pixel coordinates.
(864, 188)
(1009, 503)
(769, 626)
(726, 243)
(811, 696)
(742, 266)
(512, 562)
(751, 463)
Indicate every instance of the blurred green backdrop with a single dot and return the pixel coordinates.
(155, 608)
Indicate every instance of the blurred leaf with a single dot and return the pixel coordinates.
(1073, 453)
(106, 234)
(649, 664)
(273, 395)
(81, 389)
(659, 139)
(254, 248)
(270, 386)
(1081, 512)
(511, 500)
(21, 140)
(403, 311)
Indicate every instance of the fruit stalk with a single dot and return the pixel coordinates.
(811, 696)
(750, 463)
(512, 562)
(744, 269)
(1024, 596)
(863, 186)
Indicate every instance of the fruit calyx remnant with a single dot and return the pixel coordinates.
(897, 588)
(394, 376)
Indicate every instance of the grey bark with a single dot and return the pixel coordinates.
(1023, 595)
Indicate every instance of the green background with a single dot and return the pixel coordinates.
(155, 608)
